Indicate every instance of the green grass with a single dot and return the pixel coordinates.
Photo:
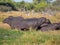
(17, 37)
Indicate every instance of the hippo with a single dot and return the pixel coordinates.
(25, 24)
(53, 26)
(12, 21)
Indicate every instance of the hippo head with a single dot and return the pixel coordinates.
(48, 21)
(8, 20)
(42, 20)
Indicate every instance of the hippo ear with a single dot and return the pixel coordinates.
(10, 17)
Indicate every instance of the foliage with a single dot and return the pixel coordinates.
(41, 6)
(29, 6)
(6, 1)
(37, 5)
(56, 5)
(36, 1)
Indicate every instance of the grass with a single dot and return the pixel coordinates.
(32, 37)
(5, 26)
(18, 37)
(4, 15)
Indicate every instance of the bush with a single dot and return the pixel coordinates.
(41, 6)
(7, 7)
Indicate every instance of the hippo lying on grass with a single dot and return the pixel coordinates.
(54, 26)
(12, 21)
(25, 24)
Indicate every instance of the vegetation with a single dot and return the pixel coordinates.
(10, 36)
(37, 5)
(17, 37)
(41, 6)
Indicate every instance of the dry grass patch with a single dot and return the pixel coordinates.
(4, 15)
(6, 26)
